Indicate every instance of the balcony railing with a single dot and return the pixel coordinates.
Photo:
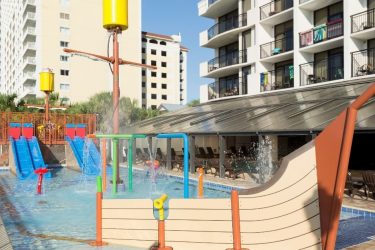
(229, 59)
(321, 33)
(274, 7)
(363, 62)
(322, 71)
(303, 1)
(232, 23)
(363, 21)
(212, 93)
(276, 79)
(276, 47)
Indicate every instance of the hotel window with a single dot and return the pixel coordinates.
(143, 84)
(64, 58)
(64, 86)
(164, 97)
(153, 63)
(153, 41)
(164, 64)
(154, 85)
(143, 50)
(153, 107)
(153, 96)
(64, 44)
(164, 53)
(64, 2)
(143, 95)
(143, 73)
(164, 86)
(153, 74)
(65, 16)
(163, 75)
(163, 43)
(143, 61)
(64, 72)
(153, 52)
(64, 31)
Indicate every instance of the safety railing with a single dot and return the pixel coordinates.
(363, 62)
(321, 33)
(274, 7)
(226, 25)
(276, 79)
(232, 58)
(276, 47)
(321, 71)
(363, 21)
(212, 93)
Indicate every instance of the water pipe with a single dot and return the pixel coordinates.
(40, 172)
(130, 138)
(200, 182)
(159, 204)
(104, 164)
(99, 206)
(186, 157)
(235, 202)
(114, 163)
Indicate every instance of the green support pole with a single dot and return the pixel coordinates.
(130, 164)
(99, 184)
(114, 164)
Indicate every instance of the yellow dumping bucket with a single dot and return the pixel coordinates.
(46, 80)
(115, 14)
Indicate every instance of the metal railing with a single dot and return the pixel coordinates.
(363, 62)
(275, 79)
(232, 58)
(363, 21)
(232, 23)
(276, 47)
(212, 93)
(274, 7)
(57, 130)
(321, 71)
(321, 33)
(231, 87)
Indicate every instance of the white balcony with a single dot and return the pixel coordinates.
(29, 78)
(29, 19)
(30, 46)
(363, 25)
(215, 8)
(253, 84)
(29, 6)
(312, 5)
(29, 61)
(29, 33)
(276, 12)
(203, 69)
(223, 33)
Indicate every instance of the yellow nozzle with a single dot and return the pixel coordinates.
(159, 204)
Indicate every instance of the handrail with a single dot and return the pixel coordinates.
(226, 25)
(362, 21)
(229, 59)
(269, 49)
(321, 33)
(284, 4)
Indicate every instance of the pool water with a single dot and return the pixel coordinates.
(63, 217)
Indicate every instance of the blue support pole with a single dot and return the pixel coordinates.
(186, 157)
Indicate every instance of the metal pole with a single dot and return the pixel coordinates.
(115, 99)
(104, 164)
(235, 202)
(47, 108)
(130, 164)
(115, 174)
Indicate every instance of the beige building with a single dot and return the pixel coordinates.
(34, 34)
(166, 85)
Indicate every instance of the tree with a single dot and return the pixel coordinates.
(7, 102)
(194, 102)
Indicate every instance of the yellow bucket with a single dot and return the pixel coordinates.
(46, 80)
(115, 14)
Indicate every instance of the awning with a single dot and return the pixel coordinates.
(296, 111)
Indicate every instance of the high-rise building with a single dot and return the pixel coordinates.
(34, 34)
(167, 84)
(262, 46)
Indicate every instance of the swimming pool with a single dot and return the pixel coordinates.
(64, 216)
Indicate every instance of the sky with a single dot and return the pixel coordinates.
(169, 17)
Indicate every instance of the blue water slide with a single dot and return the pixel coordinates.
(88, 161)
(27, 157)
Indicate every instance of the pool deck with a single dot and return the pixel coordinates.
(5, 243)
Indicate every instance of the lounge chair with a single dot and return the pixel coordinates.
(202, 153)
(369, 181)
(354, 186)
(211, 153)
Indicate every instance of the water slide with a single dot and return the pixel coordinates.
(87, 157)
(27, 157)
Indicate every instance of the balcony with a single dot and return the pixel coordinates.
(325, 70)
(363, 25)
(212, 92)
(29, 78)
(29, 48)
(223, 32)
(29, 33)
(215, 8)
(275, 51)
(29, 62)
(277, 11)
(322, 37)
(29, 19)
(313, 5)
(363, 62)
(276, 80)
(29, 6)
(226, 64)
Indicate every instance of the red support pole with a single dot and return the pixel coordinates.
(116, 94)
(236, 222)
